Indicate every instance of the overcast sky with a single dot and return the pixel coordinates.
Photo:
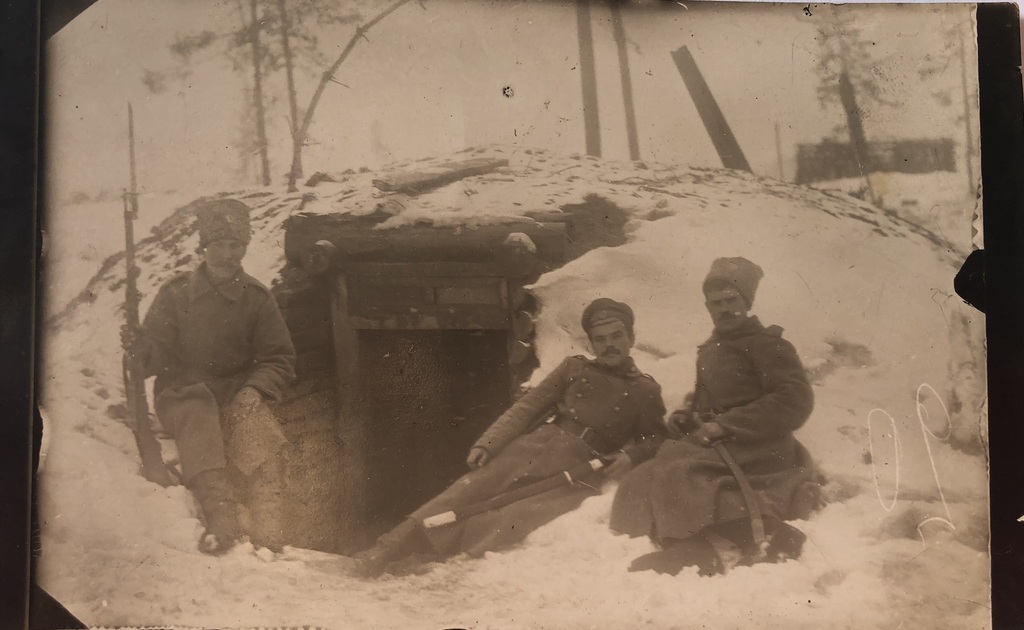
(428, 81)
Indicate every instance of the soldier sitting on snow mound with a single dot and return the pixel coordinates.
(219, 348)
(718, 495)
(602, 408)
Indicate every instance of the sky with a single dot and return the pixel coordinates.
(429, 81)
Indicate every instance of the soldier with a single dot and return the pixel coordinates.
(219, 348)
(751, 393)
(603, 406)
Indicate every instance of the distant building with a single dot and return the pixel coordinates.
(830, 160)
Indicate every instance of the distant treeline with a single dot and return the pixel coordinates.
(830, 160)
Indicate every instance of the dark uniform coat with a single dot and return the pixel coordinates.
(751, 382)
(622, 406)
(206, 343)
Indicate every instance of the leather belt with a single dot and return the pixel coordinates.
(600, 443)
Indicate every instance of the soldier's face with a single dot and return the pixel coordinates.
(223, 258)
(611, 343)
(727, 308)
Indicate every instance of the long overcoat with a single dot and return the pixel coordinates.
(623, 405)
(751, 382)
(205, 343)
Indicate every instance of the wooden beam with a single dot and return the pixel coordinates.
(417, 243)
(588, 79)
(480, 318)
(619, 32)
(352, 412)
(423, 269)
(422, 180)
(710, 114)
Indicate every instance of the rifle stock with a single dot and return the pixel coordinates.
(153, 467)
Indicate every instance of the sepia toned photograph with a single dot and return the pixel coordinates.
(543, 314)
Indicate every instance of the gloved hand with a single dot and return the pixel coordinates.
(710, 432)
(478, 456)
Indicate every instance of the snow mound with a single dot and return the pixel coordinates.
(865, 296)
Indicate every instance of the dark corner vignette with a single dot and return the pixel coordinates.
(18, 106)
(1002, 163)
(26, 28)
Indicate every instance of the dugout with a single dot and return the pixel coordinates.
(411, 341)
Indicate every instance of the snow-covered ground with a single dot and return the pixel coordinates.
(864, 295)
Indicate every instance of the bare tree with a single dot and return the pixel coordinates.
(257, 82)
(243, 47)
(302, 131)
(298, 25)
(847, 71)
(272, 35)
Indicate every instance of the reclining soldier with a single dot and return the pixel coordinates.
(751, 394)
(219, 348)
(594, 407)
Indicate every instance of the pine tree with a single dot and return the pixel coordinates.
(847, 72)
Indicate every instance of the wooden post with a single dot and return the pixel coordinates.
(710, 114)
(627, 87)
(588, 78)
(352, 416)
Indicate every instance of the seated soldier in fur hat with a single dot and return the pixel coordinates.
(584, 408)
(219, 348)
(751, 394)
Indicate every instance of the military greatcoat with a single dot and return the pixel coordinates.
(751, 382)
(621, 407)
(205, 343)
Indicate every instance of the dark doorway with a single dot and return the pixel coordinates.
(431, 393)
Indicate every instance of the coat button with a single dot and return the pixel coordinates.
(617, 408)
(579, 395)
(626, 395)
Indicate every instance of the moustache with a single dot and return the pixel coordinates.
(610, 352)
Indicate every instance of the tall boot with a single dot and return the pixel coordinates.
(398, 543)
(219, 505)
(268, 505)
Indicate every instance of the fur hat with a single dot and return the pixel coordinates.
(220, 219)
(604, 310)
(739, 273)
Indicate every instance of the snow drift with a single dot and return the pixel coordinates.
(865, 296)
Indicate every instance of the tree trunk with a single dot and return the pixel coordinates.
(857, 138)
(296, 169)
(257, 69)
(326, 78)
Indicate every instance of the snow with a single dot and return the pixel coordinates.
(864, 295)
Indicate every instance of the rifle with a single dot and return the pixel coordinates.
(153, 467)
(565, 477)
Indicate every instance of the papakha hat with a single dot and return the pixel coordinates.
(604, 310)
(220, 219)
(739, 273)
